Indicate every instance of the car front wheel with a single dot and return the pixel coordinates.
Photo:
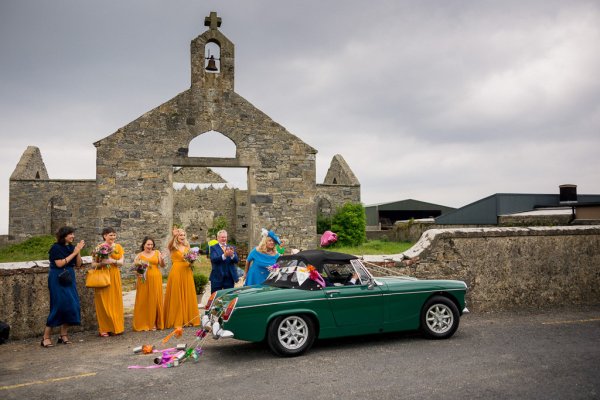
(291, 335)
(439, 318)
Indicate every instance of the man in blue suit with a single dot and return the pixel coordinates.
(223, 259)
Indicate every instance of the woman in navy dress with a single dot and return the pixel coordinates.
(261, 258)
(64, 300)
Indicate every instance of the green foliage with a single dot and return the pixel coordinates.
(323, 224)
(32, 249)
(200, 281)
(218, 223)
(375, 247)
(349, 223)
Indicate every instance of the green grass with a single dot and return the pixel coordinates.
(375, 247)
(32, 249)
(35, 248)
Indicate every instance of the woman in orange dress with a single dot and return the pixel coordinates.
(148, 309)
(109, 300)
(181, 303)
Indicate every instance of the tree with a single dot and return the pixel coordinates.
(349, 223)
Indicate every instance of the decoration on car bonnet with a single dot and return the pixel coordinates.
(315, 275)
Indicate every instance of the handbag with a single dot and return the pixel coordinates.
(64, 277)
(97, 278)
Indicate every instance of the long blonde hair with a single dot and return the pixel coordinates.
(173, 241)
(262, 245)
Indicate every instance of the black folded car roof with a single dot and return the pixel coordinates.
(319, 257)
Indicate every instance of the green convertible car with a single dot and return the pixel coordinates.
(323, 294)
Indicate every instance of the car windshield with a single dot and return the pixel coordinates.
(294, 274)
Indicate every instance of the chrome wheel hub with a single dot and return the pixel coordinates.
(292, 332)
(439, 318)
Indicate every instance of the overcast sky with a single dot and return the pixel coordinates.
(440, 101)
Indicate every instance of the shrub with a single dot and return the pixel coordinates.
(349, 223)
(323, 224)
(200, 281)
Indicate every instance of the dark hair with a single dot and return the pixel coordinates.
(107, 230)
(146, 238)
(62, 233)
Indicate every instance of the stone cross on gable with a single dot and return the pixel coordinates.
(212, 20)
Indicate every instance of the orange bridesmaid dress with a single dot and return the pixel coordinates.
(109, 300)
(148, 309)
(181, 302)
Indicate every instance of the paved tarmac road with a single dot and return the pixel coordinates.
(544, 355)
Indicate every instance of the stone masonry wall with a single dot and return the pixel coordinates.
(196, 209)
(512, 268)
(40, 207)
(25, 301)
(338, 195)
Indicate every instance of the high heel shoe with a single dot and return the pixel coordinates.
(46, 344)
(64, 339)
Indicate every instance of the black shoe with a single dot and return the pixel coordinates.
(64, 339)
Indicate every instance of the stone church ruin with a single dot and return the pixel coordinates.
(146, 181)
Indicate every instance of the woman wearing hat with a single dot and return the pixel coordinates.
(260, 258)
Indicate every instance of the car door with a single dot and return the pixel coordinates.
(356, 308)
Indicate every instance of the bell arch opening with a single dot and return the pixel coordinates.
(212, 57)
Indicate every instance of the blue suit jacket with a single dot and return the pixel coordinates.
(224, 272)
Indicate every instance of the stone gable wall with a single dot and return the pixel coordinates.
(134, 186)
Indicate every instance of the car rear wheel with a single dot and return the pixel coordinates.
(291, 335)
(439, 318)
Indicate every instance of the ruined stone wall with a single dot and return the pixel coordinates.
(242, 218)
(513, 268)
(40, 207)
(25, 300)
(135, 193)
(196, 209)
(338, 195)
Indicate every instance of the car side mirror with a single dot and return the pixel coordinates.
(371, 284)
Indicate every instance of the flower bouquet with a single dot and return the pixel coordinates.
(191, 256)
(102, 252)
(273, 267)
(140, 267)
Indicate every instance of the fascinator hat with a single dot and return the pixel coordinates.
(271, 234)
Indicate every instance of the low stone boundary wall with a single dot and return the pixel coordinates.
(25, 300)
(511, 268)
(505, 269)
